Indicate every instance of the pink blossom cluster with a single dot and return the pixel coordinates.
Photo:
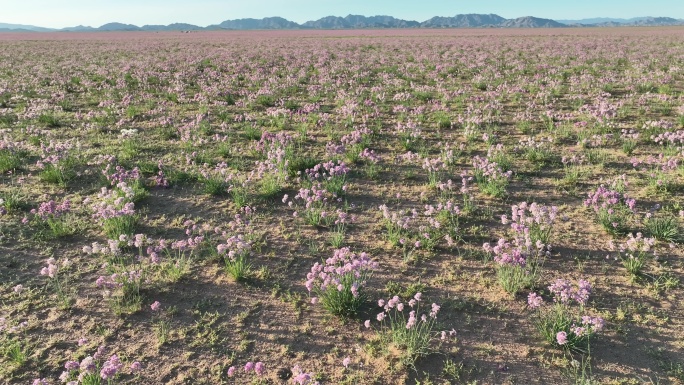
(51, 209)
(344, 268)
(565, 292)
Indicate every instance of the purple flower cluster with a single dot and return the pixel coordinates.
(258, 368)
(276, 164)
(111, 249)
(574, 160)
(531, 223)
(485, 168)
(357, 136)
(221, 172)
(189, 243)
(344, 271)
(606, 199)
(531, 143)
(118, 174)
(110, 368)
(433, 165)
(636, 247)
(52, 267)
(53, 153)
(86, 371)
(657, 163)
(118, 280)
(160, 179)
(317, 204)
(488, 172)
(659, 170)
(565, 292)
(300, 377)
(51, 209)
(115, 203)
(327, 171)
(271, 141)
(234, 247)
(670, 138)
(369, 156)
(506, 253)
(612, 208)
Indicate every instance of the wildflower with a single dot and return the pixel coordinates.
(110, 368)
(346, 361)
(135, 367)
(367, 324)
(18, 289)
(435, 310)
(155, 306)
(231, 371)
(534, 300)
(259, 368)
(88, 365)
(412, 320)
(562, 338)
(249, 366)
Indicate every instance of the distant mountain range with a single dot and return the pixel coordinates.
(365, 22)
(634, 22)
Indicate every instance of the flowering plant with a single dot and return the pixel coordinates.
(565, 323)
(339, 282)
(412, 334)
(612, 208)
(634, 252)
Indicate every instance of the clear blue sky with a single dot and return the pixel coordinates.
(66, 13)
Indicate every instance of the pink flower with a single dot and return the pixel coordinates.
(346, 361)
(534, 300)
(249, 367)
(231, 371)
(155, 306)
(562, 338)
(135, 367)
(259, 368)
(367, 324)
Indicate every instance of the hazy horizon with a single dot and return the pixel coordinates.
(70, 13)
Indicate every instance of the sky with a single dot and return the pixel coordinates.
(69, 13)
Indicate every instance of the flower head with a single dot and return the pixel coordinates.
(562, 338)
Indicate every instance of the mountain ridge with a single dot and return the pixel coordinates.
(365, 22)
